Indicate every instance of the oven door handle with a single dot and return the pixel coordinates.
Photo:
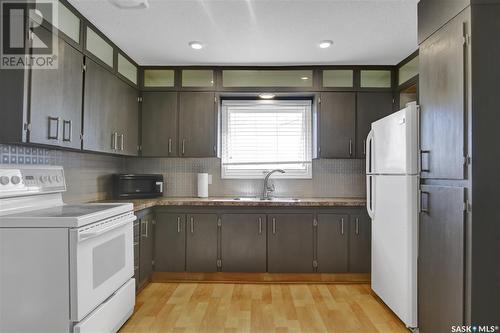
(91, 234)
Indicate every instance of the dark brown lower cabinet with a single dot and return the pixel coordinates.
(441, 259)
(290, 243)
(243, 242)
(146, 244)
(201, 238)
(360, 240)
(332, 236)
(170, 242)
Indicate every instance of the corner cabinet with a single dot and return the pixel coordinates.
(111, 112)
(197, 124)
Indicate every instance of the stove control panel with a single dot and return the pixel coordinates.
(22, 180)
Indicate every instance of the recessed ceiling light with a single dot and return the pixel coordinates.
(267, 96)
(324, 44)
(196, 45)
(304, 78)
(130, 4)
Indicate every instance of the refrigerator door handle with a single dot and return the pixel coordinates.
(370, 203)
(369, 155)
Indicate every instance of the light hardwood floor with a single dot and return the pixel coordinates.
(213, 307)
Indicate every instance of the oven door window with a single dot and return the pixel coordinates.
(107, 260)
(100, 265)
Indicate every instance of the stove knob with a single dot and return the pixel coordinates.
(42, 179)
(58, 179)
(15, 180)
(4, 180)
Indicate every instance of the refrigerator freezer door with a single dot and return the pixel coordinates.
(394, 143)
(394, 244)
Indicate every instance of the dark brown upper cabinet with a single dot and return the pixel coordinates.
(56, 101)
(442, 98)
(197, 124)
(159, 124)
(111, 112)
(371, 106)
(337, 125)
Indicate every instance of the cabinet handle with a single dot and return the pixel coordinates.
(145, 224)
(357, 226)
(426, 160)
(342, 226)
(170, 145)
(350, 147)
(122, 136)
(114, 140)
(70, 131)
(260, 225)
(51, 121)
(178, 224)
(424, 204)
(192, 224)
(274, 226)
(364, 147)
(183, 146)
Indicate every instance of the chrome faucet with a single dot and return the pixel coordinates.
(269, 188)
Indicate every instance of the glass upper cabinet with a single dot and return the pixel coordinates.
(67, 22)
(197, 78)
(96, 45)
(338, 78)
(408, 71)
(127, 69)
(372, 78)
(267, 78)
(159, 78)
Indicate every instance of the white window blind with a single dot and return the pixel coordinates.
(258, 136)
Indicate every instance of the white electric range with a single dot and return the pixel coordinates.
(63, 268)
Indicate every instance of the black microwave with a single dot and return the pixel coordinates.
(134, 186)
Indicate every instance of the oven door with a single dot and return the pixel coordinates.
(101, 261)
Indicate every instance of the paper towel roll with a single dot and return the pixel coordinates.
(203, 185)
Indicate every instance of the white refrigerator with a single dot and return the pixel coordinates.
(392, 171)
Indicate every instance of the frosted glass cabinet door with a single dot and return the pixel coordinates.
(197, 78)
(338, 78)
(157, 78)
(375, 78)
(127, 69)
(99, 47)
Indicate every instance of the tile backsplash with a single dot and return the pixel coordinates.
(331, 178)
(89, 178)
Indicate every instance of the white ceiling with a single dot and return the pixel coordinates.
(260, 32)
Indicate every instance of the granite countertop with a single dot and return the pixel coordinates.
(140, 204)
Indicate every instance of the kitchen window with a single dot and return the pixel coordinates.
(258, 136)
